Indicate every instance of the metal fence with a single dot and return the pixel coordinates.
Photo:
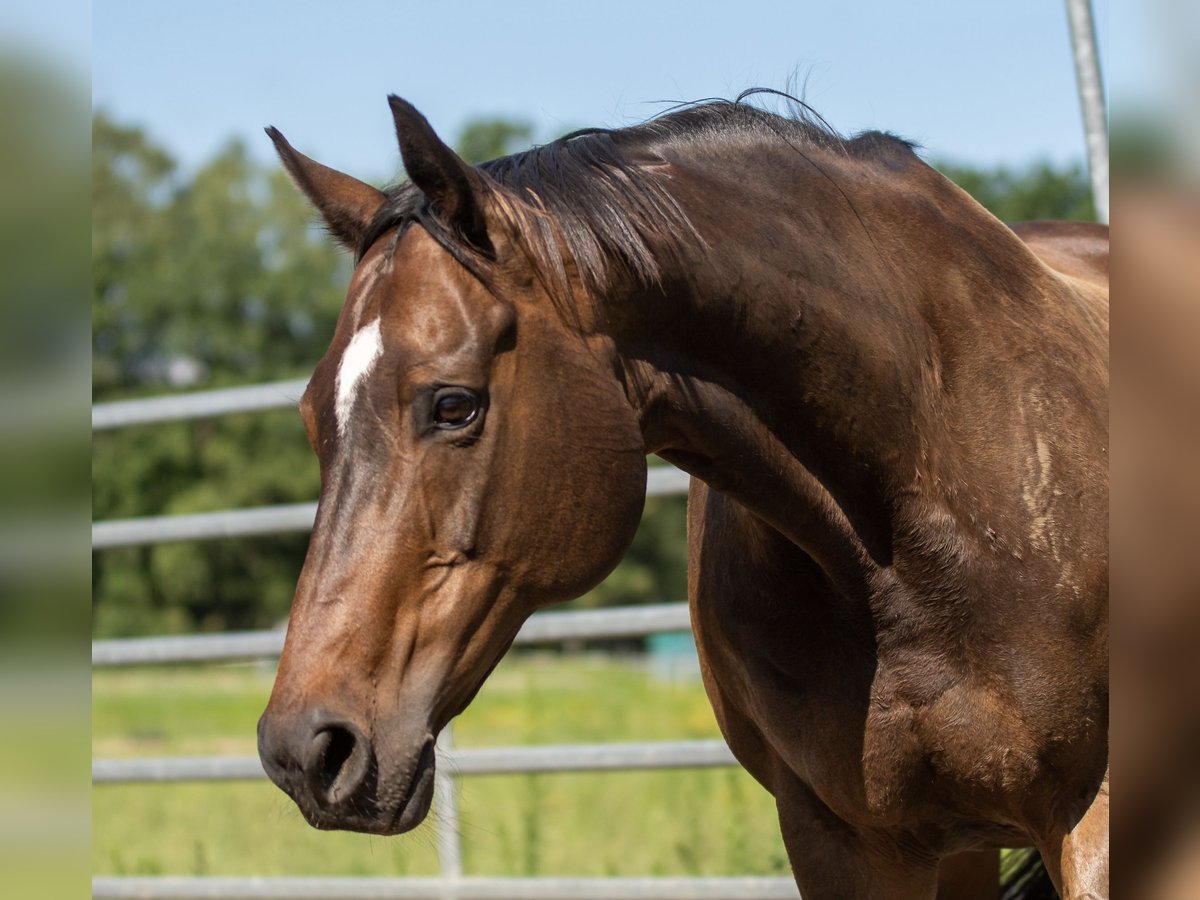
(281, 519)
(548, 627)
(546, 888)
(198, 404)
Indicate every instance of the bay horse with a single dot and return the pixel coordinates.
(893, 407)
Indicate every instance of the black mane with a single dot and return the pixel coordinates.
(603, 193)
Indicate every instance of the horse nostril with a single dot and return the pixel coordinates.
(339, 747)
(337, 763)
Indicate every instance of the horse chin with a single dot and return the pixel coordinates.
(414, 806)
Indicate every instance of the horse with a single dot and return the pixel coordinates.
(893, 408)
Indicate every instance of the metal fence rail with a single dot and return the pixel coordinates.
(545, 759)
(282, 519)
(543, 628)
(197, 404)
(471, 888)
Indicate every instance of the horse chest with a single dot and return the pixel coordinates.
(882, 735)
(791, 692)
(825, 712)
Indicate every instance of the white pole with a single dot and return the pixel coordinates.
(1091, 99)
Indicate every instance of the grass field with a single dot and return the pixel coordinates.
(705, 822)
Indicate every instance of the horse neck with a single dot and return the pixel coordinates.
(795, 362)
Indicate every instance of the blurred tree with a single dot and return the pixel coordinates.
(131, 179)
(484, 139)
(209, 279)
(216, 277)
(219, 277)
(1039, 191)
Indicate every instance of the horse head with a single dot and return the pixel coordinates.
(478, 460)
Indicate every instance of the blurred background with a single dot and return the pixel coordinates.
(207, 270)
(1155, 416)
(44, 621)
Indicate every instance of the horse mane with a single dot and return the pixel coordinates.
(599, 197)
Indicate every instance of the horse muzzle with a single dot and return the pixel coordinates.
(340, 779)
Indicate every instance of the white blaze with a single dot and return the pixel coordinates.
(358, 360)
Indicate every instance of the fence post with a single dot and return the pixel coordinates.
(1091, 99)
(449, 837)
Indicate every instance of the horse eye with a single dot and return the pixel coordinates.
(454, 409)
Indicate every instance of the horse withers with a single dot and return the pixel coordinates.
(893, 408)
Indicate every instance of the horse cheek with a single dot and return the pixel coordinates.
(582, 494)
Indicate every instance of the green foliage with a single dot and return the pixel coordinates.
(219, 277)
(218, 274)
(1039, 191)
(484, 139)
(205, 585)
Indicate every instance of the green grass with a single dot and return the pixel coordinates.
(703, 822)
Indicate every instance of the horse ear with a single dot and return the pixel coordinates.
(346, 204)
(441, 174)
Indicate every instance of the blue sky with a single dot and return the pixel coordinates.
(981, 82)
